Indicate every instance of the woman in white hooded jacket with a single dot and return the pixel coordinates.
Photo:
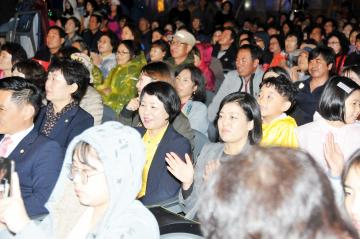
(95, 196)
(70, 9)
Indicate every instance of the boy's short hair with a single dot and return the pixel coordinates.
(283, 86)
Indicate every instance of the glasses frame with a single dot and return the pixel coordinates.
(84, 176)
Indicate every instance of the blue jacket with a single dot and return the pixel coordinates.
(38, 161)
(70, 124)
(161, 184)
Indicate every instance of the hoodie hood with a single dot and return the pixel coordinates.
(73, 4)
(265, 37)
(121, 151)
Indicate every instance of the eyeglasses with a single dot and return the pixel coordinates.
(84, 176)
(176, 43)
(333, 42)
(122, 53)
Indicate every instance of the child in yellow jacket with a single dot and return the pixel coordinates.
(276, 96)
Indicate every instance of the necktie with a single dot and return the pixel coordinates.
(5, 145)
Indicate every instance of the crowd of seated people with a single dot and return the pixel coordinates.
(232, 119)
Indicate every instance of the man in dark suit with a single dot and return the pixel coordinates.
(92, 35)
(38, 159)
(225, 50)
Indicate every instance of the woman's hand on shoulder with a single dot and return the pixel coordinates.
(183, 171)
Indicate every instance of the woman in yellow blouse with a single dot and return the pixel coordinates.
(159, 105)
(119, 86)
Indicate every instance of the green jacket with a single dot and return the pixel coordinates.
(122, 81)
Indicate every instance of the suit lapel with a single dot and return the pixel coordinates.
(64, 122)
(19, 152)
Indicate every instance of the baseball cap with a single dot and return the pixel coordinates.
(184, 36)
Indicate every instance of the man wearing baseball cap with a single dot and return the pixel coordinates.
(180, 48)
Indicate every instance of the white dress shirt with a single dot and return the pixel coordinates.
(16, 139)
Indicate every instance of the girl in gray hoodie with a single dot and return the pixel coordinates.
(95, 196)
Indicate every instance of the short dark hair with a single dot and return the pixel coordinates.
(32, 70)
(251, 109)
(23, 91)
(332, 101)
(227, 2)
(274, 26)
(249, 40)
(249, 34)
(76, 22)
(167, 95)
(98, 16)
(233, 33)
(73, 72)
(326, 52)
(159, 71)
(255, 51)
(333, 22)
(198, 79)
(158, 29)
(114, 40)
(66, 52)
(280, 40)
(278, 70)
(289, 23)
(282, 85)
(271, 193)
(298, 36)
(16, 51)
(162, 45)
(132, 47)
(322, 31)
(83, 45)
(61, 31)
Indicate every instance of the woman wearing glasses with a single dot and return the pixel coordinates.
(338, 42)
(95, 195)
(119, 86)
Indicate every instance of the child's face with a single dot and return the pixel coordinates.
(352, 107)
(272, 104)
(352, 198)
